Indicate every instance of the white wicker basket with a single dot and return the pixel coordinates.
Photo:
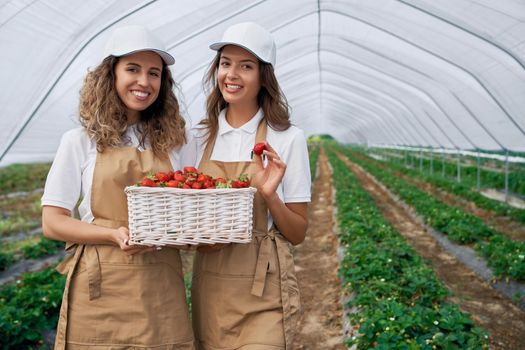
(162, 215)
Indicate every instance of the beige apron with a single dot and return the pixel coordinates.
(245, 296)
(115, 301)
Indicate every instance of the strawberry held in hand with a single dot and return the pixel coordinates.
(259, 148)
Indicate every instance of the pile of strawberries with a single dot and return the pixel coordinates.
(191, 178)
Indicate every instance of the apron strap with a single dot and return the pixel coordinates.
(68, 265)
(263, 266)
(260, 136)
(209, 148)
(92, 267)
(93, 270)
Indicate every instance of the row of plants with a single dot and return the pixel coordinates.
(457, 188)
(488, 178)
(29, 307)
(23, 177)
(32, 248)
(398, 302)
(20, 214)
(313, 155)
(505, 256)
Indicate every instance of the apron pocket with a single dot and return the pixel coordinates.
(138, 304)
(227, 315)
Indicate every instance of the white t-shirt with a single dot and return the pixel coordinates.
(236, 144)
(71, 174)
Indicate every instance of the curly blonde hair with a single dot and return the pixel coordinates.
(103, 114)
(270, 98)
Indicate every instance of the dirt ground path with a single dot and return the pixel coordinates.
(317, 265)
(491, 311)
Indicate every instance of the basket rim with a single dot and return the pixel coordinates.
(130, 189)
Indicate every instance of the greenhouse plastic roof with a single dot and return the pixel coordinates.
(447, 73)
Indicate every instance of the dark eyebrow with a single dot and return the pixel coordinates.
(247, 60)
(138, 65)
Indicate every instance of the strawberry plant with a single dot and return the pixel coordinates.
(23, 177)
(31, 248)
(29, 307)
(460, 226)
(464, 190)
(398, 301)
(313, 152)
(6, 259)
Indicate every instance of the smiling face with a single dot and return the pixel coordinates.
(238, 76)
(137, 81)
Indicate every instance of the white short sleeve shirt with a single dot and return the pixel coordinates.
(71, 174)
(236, 144)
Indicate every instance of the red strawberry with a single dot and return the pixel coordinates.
(190, 169)
(221, 185)
(190, 180)
(162, 177)
(236, 184)
(173, 183)
(196, 185)
(186, 186)
(209, 184)
(201, 178)
(148, 182)
(244, 181)
(259, 148)
(179, 177)
(220, 180)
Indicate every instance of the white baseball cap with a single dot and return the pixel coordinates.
(131, 39)
(252, 37)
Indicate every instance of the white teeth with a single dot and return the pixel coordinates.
(139, 93)
(229, 86)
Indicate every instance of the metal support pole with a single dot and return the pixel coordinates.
(442, 162)
(478, 175)
(420, 160)
(431, 161)
(506, 176)
(459, 167)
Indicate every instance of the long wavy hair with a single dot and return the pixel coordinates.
(270, 98)
(103, 114)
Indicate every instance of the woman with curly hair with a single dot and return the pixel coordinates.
(118, 295)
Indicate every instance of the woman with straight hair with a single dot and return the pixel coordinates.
(245, 296)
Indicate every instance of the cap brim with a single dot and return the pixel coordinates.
(166, 57)
(219, 45)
